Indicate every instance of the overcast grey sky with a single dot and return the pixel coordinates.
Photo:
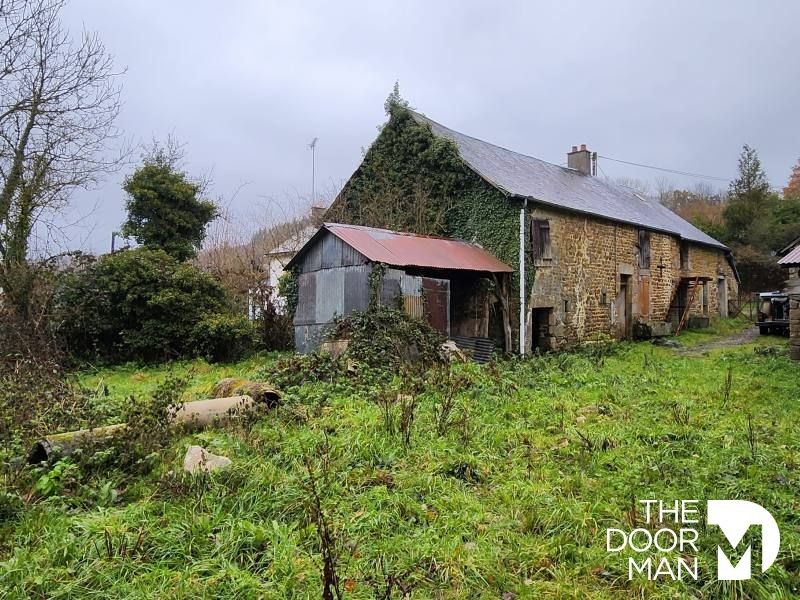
(246, 85)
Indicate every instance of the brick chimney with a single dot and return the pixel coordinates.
(580, 160)
(318, 214)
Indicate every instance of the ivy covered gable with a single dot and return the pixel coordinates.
(411, 180)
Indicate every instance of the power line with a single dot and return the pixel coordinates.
(673, 171)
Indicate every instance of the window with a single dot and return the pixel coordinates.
(540, 239)
(684, 256)
(644, 249)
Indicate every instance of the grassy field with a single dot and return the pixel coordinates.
(507, 494)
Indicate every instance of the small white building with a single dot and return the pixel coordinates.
(278, 256)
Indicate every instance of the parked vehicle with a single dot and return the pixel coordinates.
(773, 314)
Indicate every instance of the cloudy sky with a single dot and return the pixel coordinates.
(246, 85)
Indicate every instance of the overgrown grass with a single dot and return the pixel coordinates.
(508, 490)
(134, 380)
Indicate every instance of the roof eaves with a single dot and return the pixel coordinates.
(718, 246)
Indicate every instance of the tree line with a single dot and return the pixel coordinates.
(751, 218)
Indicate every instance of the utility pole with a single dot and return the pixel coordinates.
(114, 235)
(313, 146)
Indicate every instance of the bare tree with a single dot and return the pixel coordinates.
(59, 99)
(239, 249)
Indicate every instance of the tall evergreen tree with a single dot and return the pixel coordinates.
(752, 181)
(165, 209)
(750, 200)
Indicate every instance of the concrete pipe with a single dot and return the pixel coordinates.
(64, 444)
(200, 413)
(206, 412)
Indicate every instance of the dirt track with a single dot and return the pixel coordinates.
(731, 341)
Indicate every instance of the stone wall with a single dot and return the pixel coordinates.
(793, 288)
(591, 259)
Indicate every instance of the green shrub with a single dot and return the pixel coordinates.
(223, 337)
(384, 337)
(275, 328)
(137, 304)
(11, 505)
(289, 289)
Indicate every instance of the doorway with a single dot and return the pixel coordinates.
(679, 303)
(541, 338)
(437, 303)
(622, 307)
(722, 296)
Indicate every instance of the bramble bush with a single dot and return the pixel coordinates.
(384, 337)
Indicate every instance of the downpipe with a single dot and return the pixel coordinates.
(522, 328)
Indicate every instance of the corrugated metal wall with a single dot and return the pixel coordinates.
(324, 295)
(334, 281)
(331, 252)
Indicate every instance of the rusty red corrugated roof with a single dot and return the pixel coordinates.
(791, 259)
(410, 250)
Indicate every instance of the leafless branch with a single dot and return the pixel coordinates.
(59, 100)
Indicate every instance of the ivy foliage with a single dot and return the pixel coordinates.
(376, 276)
(412, 180)
(387, 338)
(407, 180)
(289, 290)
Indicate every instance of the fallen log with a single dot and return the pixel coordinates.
(200, 413)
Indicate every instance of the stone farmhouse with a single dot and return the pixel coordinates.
(590, 257)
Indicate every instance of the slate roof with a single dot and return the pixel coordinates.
(528, 177)
(409, 250)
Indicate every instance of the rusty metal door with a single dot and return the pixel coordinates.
(437, 303)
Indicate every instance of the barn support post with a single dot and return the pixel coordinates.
(501, 282)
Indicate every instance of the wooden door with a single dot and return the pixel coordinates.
(623, 307)
(644, 296)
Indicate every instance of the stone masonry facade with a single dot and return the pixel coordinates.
(592, 276)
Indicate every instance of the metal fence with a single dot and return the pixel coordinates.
(746, 305)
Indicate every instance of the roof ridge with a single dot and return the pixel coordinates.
(472, 137)
(406, 233)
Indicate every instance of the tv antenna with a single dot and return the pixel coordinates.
(313, 147)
